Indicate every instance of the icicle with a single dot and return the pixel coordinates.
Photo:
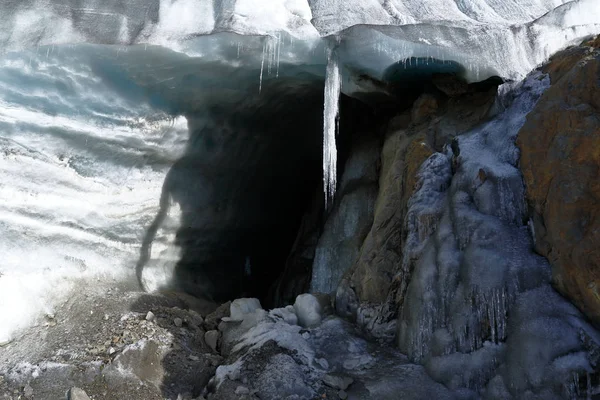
(330, 116)
(262, 64)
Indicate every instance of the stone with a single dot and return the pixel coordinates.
(241, 307)
(338, 381)
(76, 393)
(242, 390)
(424, 108)
(150, 316)
(560, 161)
(323, 363)
(28, 391)
(309, 310)
(350, 219)
(178, 322)
(212, 320)
(342, 395)
(212, 339)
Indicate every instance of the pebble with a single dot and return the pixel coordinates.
(28, 391)
(323, 363)
(178, 322)
(337, 381)
(77, 394)
(342, 395)
(240, 390)
(212, 338)
(306, 335)
(150, 316)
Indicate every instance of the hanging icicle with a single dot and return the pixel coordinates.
(330, 117)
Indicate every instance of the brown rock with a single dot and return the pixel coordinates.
(376, 277)
(560, 159)
(425, 107)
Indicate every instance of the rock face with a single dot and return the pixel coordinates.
(377, 278)
(351, 217)
(560, 160)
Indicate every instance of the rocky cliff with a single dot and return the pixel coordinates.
(560, 160)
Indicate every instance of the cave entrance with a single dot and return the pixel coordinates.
(251, 171)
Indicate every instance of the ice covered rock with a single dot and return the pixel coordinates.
(287, 314)
(337, 381)
(241, 307)
(350, 218)
(309, 310)
(473, 308)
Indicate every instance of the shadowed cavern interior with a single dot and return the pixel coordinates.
(252, 171)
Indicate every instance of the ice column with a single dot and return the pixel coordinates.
(330, 119)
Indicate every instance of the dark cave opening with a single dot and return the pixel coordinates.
(250, 172)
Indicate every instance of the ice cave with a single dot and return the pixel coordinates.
(290, 199)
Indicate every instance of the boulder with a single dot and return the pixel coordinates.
(560, 161)
(309, 310)
(241, 307)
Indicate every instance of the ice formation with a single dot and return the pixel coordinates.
(475, 276)
(330, 116)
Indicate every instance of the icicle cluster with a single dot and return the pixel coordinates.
(272, 53)
(330, 119)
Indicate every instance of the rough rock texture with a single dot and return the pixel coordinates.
(411, 138)
(114, 354)
(350, 219)
(268, 358)
(560, 160)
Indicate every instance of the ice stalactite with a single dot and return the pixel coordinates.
(271, 52)
(330, 121)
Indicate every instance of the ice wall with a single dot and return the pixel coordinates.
(479, 297)
(488, 37)
(82, 168)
